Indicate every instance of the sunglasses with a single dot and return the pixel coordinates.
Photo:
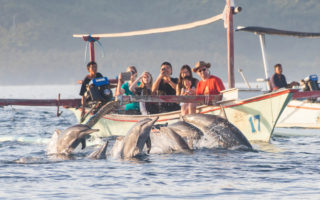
(202, 70)
(133, 72)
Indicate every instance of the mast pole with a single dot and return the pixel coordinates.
(91, 50)
(265, 61)
(230, 44)
(91, 41)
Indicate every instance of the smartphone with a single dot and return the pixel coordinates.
(125, 76)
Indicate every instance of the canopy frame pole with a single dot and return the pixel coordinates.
(91, 50)
(91, 41)
(264, 58)
(230, 44)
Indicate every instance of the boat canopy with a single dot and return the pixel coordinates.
(156, 30)
(271, 31)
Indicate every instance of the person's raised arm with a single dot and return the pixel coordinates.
(171, 83)
(178, 90)
(119, 90)
(156, 84)
(134, 85)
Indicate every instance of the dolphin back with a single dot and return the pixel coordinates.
(226, 133)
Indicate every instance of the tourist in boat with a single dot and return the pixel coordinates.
(209, 84)
(123, 88)
(166, 85)
(278, 80)
(144, 89)
(185, 71)
(187, 89)
(92, 69)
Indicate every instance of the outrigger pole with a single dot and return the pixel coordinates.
(227, 15)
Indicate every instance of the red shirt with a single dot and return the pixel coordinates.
(211, 86)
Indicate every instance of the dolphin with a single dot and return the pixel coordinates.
(167, 140)
(64, 142)
(188, 132)
(133, 143)
(219, 130)
(100, 153)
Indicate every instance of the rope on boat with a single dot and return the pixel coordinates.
(92, 39)
(157, 30)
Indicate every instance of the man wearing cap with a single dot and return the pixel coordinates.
(209, 84)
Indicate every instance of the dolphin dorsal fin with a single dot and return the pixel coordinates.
(83, 143)
(58, 131)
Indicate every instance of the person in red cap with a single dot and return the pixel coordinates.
(209, 84)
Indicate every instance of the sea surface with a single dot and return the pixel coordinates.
(286, 168)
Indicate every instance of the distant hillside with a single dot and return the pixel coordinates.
(36, 44)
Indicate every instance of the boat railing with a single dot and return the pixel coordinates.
(226, 96)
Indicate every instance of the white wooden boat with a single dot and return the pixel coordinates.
(256, 117)
(302, 114)
(299, 113)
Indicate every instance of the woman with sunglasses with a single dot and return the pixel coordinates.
(209, 84)
(123, 88)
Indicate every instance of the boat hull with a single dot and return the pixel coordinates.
(256, 117)
(300, 114)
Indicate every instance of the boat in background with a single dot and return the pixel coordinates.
(303, 111)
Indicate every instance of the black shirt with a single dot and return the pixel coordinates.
(166, 89)
(86, 81)
(278, 81)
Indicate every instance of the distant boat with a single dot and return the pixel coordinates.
(300, 112)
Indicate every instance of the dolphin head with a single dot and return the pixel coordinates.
(100, 153)
(137, 136)
(70, 138)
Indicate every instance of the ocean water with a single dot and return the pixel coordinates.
(286, 168)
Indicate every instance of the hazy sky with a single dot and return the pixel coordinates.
(62, 60)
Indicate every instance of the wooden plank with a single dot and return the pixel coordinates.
(41, 102)
(156, 30)
(212, 99)
(307, 94)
